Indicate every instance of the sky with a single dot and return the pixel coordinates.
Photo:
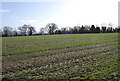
(63, 12)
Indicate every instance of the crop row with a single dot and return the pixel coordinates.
(19, 64)
(75, 68)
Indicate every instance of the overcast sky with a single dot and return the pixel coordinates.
(63, 13)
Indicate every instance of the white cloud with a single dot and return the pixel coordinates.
(29, 21)
(4, 11)
(32, 22)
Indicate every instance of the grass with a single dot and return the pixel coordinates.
(34, 43)
(54, 57)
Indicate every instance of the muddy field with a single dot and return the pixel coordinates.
(55, 57)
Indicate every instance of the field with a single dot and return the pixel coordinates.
(54, 57)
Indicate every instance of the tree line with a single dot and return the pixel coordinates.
(52, 28)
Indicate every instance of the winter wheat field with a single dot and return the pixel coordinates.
(55, 57)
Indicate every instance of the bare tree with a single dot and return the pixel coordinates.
(26, 29)
(15, 33)
(7, 31)
(1, 32)
(42, 31)
(103, 29)
(76, 29)
(23, 30)
(51, 27)
(31, 30)
(64, 30)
